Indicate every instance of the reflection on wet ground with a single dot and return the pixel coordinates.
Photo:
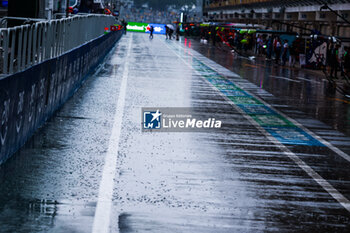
(233, 179)
(305, 90)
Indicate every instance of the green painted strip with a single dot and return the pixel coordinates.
(227, 87)
(277, 125)
(272, 120)
(244, 100)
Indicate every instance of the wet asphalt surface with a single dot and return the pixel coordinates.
(303, 89)
(233, 179)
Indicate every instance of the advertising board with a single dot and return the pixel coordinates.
(145, 27)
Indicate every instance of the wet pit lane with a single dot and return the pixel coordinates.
(91, 169)
(305, 90)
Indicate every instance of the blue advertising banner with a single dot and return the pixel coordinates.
(158, 28)
(4, 3)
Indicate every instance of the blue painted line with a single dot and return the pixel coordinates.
(292, 136)
(277, 125)
(212, 76)
(219, 81)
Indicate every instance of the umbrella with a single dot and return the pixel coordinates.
(170, 26)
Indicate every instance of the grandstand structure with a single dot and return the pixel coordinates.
(329, 17)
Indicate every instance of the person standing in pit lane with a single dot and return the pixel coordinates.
(178, 32)
(124, 23)
(285, 52)
(292, 55)
(151, 30)
(171, 33)
(166, 32)
(278, 48)
(347, 61)
(334, 60)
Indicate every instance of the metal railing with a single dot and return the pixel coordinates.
(24, 46)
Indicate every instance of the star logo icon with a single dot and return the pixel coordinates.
(156, 116)
(152, 119)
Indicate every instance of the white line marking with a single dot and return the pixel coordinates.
(280, 77)
(308, 80)
(312, 173)
(104, 204)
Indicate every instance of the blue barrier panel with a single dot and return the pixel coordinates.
(158, 28)
(30, 97)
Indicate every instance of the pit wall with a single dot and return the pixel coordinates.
(30, 97)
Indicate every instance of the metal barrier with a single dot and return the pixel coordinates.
(24, 46)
